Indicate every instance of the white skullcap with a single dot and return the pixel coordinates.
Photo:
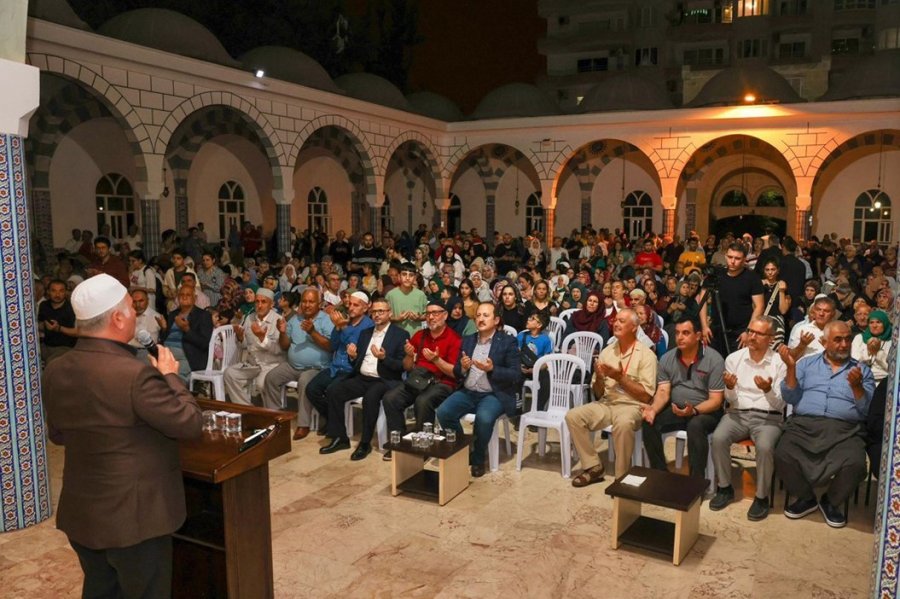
(96, 295)
(267, 293)
(360, 296)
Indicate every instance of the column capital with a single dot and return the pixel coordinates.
(669, 202)
(803, 202)
(442, 203)
(16, 108)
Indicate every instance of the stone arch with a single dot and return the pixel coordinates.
(257, 120)
(840, 156)
(135, 132)
(724, 156)
(357, 137)
(587, 162)
(430, 154)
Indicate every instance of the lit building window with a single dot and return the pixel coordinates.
(231, 207)
(534, 213)
(733, 198)
(646, 56)
(845, 45)
(872, 217)
(115, 205)
(752, 8)
(889, 39)
(853, 4)
(317, 211)
(638, 214)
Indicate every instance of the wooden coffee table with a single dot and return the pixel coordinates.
(408, 473)
(665, 489)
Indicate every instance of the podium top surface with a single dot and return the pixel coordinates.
(215, 457)
(663, 488)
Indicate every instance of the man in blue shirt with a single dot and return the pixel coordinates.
(346, 332)
(824, 440)
(307, 340)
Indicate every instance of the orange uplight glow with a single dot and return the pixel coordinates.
(749, 98)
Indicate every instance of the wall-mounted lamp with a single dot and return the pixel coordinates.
(749, 98)
(260, 73)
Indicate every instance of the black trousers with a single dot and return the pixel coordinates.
(398, 399)
(370, 388)
(317, 389)
(697, 427)
(142, 571)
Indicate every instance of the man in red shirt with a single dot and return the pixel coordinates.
(436, 349)
(106, 262)
(648, 258)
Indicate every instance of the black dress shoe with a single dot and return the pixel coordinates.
(336, 445)
(758, 510)
(388, 456)
(361, 451)
(478, 471)
(724, 496)
(834, 517)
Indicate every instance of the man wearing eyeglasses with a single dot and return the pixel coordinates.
(753, 378)
(435, 349)
(377, 359)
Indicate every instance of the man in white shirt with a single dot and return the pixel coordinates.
(377, 361)
(258, 336)
(806, 337)
(753, 378)
(147, 319)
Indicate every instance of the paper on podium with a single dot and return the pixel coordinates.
(634, 481)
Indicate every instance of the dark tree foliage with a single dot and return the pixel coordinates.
(379, 41)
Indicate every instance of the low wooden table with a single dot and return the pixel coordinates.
(665, 489)
(408, 472)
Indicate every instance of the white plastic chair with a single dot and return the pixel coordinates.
(659, 320)
(556, 329)
(563, 396)
(510, 330)
(637, 456)
(567, 314)
(681, 445)
(494, 443)
(313, 418)
(585, 345)
(380, 425)
(230, 354)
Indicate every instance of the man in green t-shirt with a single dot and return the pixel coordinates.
(407, 302)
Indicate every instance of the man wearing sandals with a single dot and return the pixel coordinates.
(624, 380)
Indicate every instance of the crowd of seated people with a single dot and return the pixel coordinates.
(735, 339)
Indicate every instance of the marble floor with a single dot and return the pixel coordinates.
(338, 532)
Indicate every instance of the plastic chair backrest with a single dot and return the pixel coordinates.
(556, 329)
(665, 336)
(585, 343)
(659, 321)
(225, 335)
(510, 330)
(567, 314)
(563, 369)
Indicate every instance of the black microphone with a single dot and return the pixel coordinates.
(144, 338)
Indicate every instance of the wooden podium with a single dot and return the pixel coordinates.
(224, 548)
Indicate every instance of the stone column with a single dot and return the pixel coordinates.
(150, 226)
(549, 226)
(283, 228)
(24, 479)
(586, 209)
(802, 207)
(42, 220)
(489, 217)
(443, 206)
(668, 204)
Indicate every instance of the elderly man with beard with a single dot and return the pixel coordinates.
(377, 359)
(824, 440)
(146, 319)
(258, 336)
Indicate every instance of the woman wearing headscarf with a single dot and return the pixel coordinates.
(590, 319)
(874, 343)
(249, 303)
(232, 296)
(651, 329)
(575, 297)
(287, 278)
(457, 318)
(435, 287)
(512, 312)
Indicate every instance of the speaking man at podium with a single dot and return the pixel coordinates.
(119, 419)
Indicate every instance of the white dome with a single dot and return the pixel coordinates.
(372, 88)
(56, 11)
(515, 100)
(628, 91)
(287, 64)
(729, 86)
(169, 31)
(435, 106)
